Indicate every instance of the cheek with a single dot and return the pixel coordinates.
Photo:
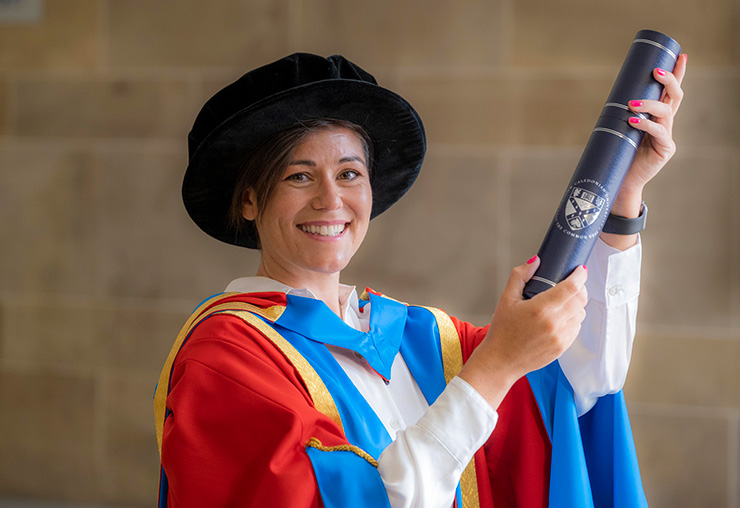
(365, 204)
(364, 209)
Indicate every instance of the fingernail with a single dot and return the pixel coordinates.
(585, 267)
(532, 259)
(660, 71)
(634, 119)
(636, 104)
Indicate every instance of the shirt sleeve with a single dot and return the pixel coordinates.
(597, 362)
(423, 466)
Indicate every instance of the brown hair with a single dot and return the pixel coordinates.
(263, 167)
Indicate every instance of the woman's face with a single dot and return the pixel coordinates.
(318, 214)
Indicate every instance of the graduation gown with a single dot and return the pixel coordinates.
(252, 409)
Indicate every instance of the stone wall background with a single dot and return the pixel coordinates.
(100, 265)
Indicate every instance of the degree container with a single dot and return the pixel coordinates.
(608, 155)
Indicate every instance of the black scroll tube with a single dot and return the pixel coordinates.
(607, 157)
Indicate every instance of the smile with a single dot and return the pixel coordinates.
(331, 230)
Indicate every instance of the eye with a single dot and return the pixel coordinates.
(297, 177)
(349, 174)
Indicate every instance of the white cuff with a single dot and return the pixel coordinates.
(597, 362)
(461, 420)
(422, 467)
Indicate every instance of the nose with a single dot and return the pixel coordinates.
(328, 196)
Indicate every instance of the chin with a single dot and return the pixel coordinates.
(328, 266)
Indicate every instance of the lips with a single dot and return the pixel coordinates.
(323, 230)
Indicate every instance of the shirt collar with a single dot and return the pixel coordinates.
(348, 298)
(375, 335)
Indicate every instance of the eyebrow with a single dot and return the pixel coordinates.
(307, 162)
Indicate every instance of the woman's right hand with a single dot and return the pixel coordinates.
(526, 335)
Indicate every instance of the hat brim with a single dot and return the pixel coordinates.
(397, 133)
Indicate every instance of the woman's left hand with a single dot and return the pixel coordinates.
(656, 149)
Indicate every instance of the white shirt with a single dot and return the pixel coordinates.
(432, 445)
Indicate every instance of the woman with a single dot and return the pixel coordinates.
(288, 390)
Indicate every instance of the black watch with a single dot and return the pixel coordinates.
(618, 225)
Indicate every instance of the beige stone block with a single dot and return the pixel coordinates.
(687, 255)
(130, 476)
(85, 337)
(66, 37)
(580, 33)
(685, 371)
(709, 112)
(438, 245)
(146, 243)
(47, 436)
(416, 33)
(102, 108)
(137, 339)
(47, 224)
(683, 459)
(462, 110)
(192, 33)
(49, 333)
(506, 111)
(554, 112)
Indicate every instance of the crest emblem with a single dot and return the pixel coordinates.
(583, 208)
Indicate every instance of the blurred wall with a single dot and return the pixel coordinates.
(99, 264)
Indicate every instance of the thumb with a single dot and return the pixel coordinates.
(519, 277)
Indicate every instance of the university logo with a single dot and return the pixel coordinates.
(583, 208)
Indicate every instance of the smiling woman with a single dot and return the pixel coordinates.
(289, 390)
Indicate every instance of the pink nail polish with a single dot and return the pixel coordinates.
(636, 104)
(532, 259)
(585, 267)
(634, 119)
(660, 71)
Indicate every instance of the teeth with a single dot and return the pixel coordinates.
(333, 230)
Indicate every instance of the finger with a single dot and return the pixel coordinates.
(572, 329)
(661, 137)
(673, 94)
(569, 330)
(680, 70)
(575, 320)
(567, 289)
(575, 307)
(519, 277)
(657, 109)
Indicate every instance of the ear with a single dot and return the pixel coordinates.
(249, 205)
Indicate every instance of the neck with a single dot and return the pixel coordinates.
(324, 286)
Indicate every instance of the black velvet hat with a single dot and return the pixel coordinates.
(279, 95)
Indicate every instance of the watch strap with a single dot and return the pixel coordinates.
(618, 225)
